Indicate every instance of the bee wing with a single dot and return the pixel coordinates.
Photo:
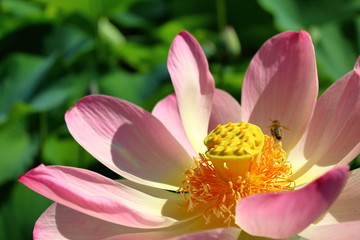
(285, 128)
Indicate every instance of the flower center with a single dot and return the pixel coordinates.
(240, 161)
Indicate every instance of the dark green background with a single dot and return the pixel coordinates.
(53, 52)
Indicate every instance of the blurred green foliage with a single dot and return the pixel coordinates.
(53, 52)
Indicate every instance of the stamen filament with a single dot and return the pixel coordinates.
(221, 178)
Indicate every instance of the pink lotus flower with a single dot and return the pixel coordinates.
(241, 182)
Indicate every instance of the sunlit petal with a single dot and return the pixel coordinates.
(97, 196)
(59, 223)
(346, 207)
(281, 84)
(343, 231)
(225, 109)
(118, 134)
(283, 215)
(218, 233)
(335, 125)
(167, 112)
(194, 86)
(174, 206)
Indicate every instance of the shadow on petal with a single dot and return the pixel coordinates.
(283, 215)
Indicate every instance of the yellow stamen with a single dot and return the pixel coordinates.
(233, 168)
(238, 145)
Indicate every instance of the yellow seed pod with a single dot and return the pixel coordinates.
(234, 141)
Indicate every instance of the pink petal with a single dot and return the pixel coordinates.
(225, 109)
(194, 86)
(335, 125)
(346, 207)
(357, 65)
(343, 231)
(97, 196)
(60, 222)
(168, 113)
(218, 233)
(283, 215)
(175, 205)
(128, 140)
(281, 84)
(188, 230)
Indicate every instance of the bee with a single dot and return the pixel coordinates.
(276, 129)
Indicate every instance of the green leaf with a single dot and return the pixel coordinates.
(65, 151)
(21, 76)
(298, 14)
(18, 111)
(286, 14)
(20, 8)
(90, 9)
(70, 42)
(141, 57)
(129, 86)
(51, 97)
(109, 32)
(149, 9)
(17, 149)
(168, 30)
(19, 212)
(334, 52)
(69, 88)
(229, 78)
(131, 20)
(357, 28)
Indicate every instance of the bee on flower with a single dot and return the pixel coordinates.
(276, 130)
